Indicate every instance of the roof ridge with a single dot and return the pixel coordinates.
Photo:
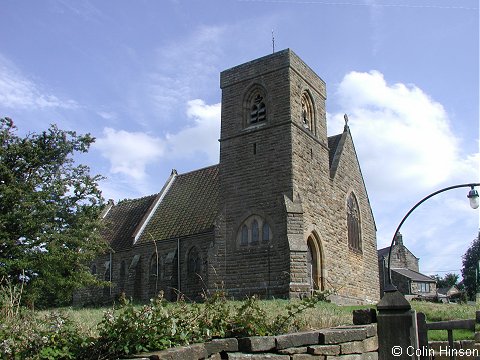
(198, 170)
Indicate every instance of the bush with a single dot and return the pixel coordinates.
(131, 329)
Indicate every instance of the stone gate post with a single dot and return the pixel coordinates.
(397, 331)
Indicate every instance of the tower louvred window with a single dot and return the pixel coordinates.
(258, 110)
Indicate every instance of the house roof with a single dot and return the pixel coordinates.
(413, 275)
(189, 206)
(121, 221)
(333, 142)
(383, 252)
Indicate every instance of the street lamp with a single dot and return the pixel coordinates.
(473, 197)
(474, 203)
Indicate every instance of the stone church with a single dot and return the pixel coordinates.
(285, 212)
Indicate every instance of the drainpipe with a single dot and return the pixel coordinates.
(179, 284)
(110, 269)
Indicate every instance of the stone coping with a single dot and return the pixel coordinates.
(353, 342)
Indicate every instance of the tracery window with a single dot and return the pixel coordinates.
(353, 223)
(254, 231)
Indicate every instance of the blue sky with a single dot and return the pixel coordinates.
(143, 78)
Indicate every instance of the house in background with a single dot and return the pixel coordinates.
(406, 275)
(284, 213)
(449, 294)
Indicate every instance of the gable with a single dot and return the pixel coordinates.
(122, 220)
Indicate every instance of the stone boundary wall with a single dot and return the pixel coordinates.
(355, 342)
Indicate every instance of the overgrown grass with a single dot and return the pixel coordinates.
(444, 312)
(103, 333)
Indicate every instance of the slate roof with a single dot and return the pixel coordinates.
(122, 220)
(413, 275)
(333, 142)
(189, 206)
(383, 252)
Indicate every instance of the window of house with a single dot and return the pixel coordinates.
(353, 223)
(424, 287)
(93, 269)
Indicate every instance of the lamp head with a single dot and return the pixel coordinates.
(473, 197)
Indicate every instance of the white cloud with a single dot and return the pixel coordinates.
(407, 149)
(129, 152)
(17, 91)
(399, 131)
(201, 137)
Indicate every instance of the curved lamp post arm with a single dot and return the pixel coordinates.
(390, 286)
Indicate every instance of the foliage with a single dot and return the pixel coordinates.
(49, 210)
(470, 269)
(447, 281)
(161, 325)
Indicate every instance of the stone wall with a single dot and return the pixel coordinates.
(142, 281)
(356, 342)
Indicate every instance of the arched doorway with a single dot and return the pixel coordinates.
(314, 263)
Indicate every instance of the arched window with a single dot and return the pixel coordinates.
(193, 262)
(244, 239)
(265, 232)
(93, 269)
(353, 223)
(308, 114)
(258, 111)
(255, 233)
(153, 268)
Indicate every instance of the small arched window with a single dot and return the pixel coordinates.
(93, 269)
(255, 233)
(265, 232)
(122, 270)
(308, 114)
(258, 109)
(193, 262)
(153, 268)
(353, 223)
(244, 239)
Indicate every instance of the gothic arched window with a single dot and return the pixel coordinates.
(258, 110)
(255, 233)
(353, 223)
(308, 114)
(244, 239)
(265, 232)
(153, 268)
(193, 262)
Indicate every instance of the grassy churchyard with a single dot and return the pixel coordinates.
(324, 315)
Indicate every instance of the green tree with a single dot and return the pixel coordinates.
(49, 213)
(470, 267)
(448, 280)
